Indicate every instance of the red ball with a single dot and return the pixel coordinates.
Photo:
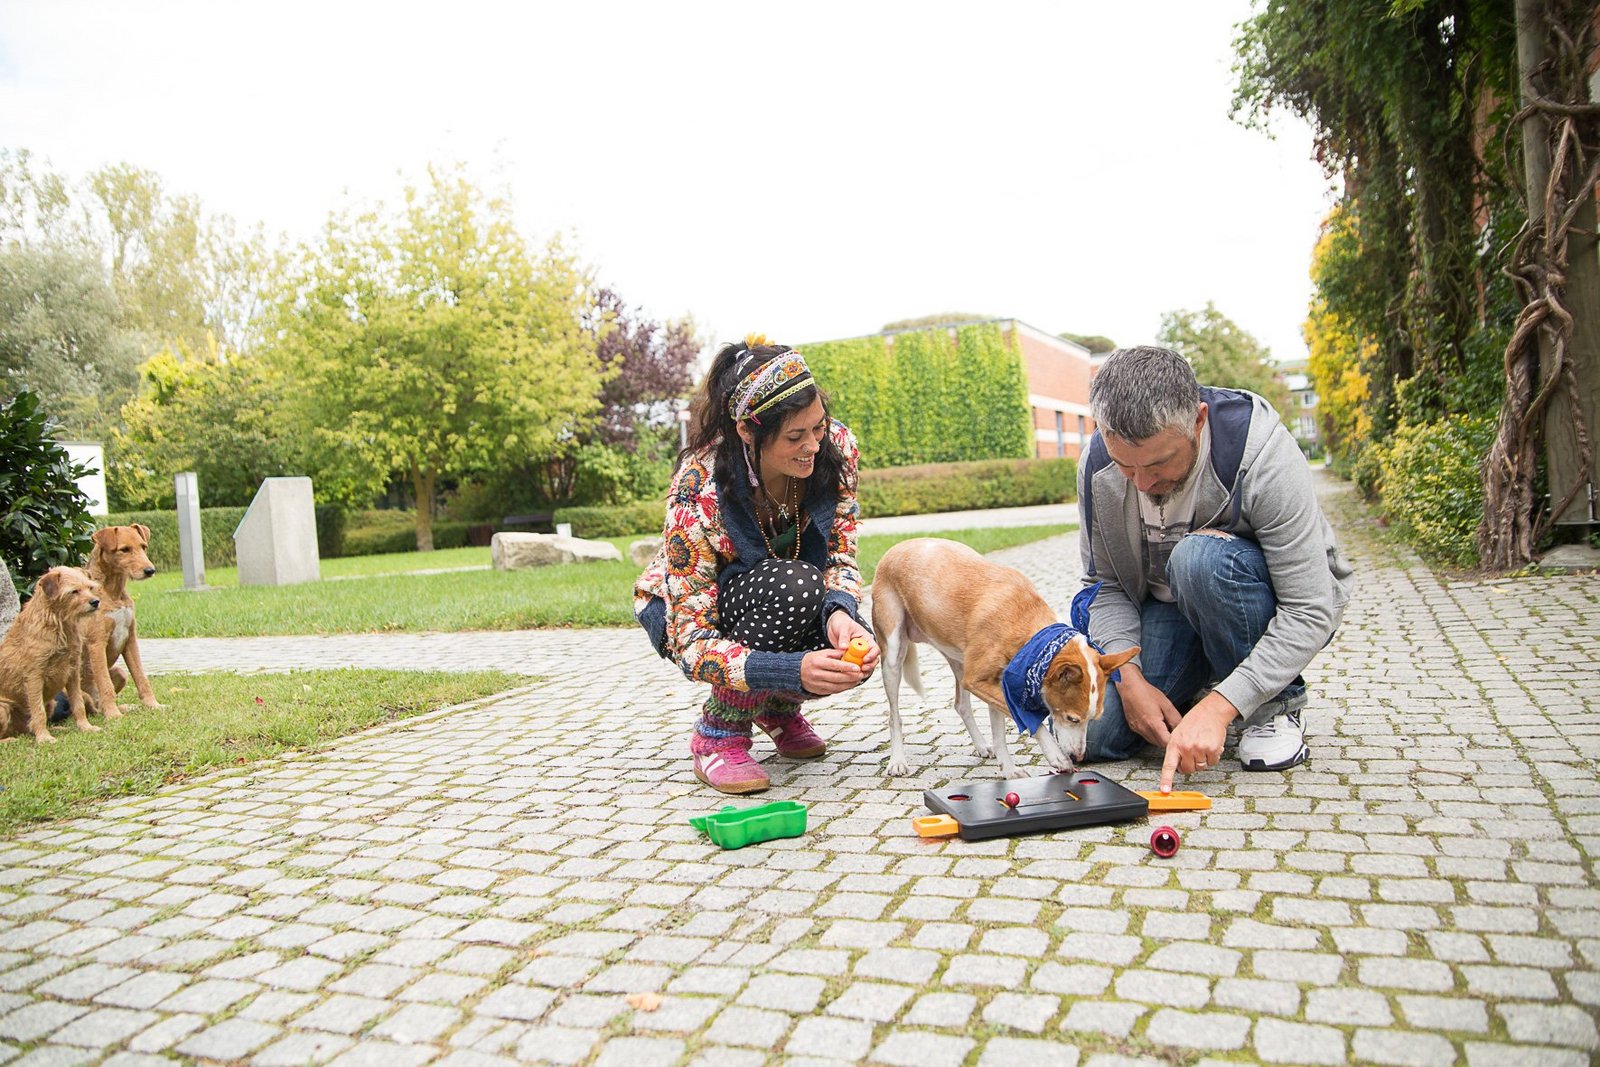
(1012, 800)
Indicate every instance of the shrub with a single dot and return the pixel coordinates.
(331, 524)
(1433, 485)
(387, 530)
(644, 518)
(935, 487)
(44, 518)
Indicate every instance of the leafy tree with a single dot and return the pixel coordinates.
(634, 439)
(60, 336)
(1224, 355)
(946, 318)
(1394, 93)
(44, 518)
(35, 203)
(154, 246)
(220, 418)
(1094, 342)
(1341, 357)
(432, 343)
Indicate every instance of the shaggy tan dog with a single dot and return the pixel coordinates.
(43, 653)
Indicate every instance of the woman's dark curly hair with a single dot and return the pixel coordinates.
(711, 425)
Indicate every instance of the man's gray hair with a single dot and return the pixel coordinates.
(1142, 391)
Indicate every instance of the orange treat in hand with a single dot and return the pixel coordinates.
(857, 650)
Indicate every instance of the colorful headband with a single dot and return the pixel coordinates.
(769, 384)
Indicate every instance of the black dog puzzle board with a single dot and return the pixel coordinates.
(1050, 802)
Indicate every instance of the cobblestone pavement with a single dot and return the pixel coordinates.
(518, 881)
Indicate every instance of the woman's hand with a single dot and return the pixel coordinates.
(841, 629)
(824, 672)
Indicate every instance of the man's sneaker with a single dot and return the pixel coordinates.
(1275, 745)
(794, 737)
(730, 769)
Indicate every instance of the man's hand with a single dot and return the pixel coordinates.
(1196, 743)
(841, 628)
(1147, 710)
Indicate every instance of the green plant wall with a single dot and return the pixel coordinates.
(928, 396)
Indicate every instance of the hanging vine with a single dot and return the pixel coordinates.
(1539, 365)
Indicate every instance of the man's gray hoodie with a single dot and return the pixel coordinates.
(1258, 486)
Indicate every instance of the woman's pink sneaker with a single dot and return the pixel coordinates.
(729, 769)
(794, 737)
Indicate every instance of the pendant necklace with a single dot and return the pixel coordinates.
(794, 498)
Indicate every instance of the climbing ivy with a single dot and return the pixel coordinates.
(929, 396)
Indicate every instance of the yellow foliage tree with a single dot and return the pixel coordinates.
(1338, 362)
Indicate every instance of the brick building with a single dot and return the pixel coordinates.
(1058, 373)
(1058, 389)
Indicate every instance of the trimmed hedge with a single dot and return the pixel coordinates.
(386, 530)
(996, 483)
(642, 517)
(216, 533)
(921, 490)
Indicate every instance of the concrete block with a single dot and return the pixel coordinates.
(277, 540)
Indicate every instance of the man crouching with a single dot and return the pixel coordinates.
(1200, 518)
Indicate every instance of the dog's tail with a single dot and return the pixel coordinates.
(908, 670)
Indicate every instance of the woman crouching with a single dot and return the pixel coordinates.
(756, 588)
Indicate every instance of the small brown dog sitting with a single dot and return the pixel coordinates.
(118, 557)
(43, 653)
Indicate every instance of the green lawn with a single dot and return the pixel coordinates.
(384, 597)
(216, 720)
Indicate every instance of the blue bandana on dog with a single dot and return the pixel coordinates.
(1023, 680)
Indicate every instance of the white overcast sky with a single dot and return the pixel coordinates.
(810, 170)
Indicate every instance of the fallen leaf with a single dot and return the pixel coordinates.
(644, 1001)
(260, 701)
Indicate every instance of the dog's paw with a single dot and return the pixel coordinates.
(984, 751)
(154, 705)
(88, 728)
(1064, 765)
(899, 768)
(44, 739)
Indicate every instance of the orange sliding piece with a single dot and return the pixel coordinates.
(1177, 800)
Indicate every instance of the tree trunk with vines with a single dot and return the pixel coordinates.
(1553, 358)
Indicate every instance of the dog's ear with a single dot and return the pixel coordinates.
(105, 538)
(49, 585)
(1066, 668)
(143, 532)
(1117, 659)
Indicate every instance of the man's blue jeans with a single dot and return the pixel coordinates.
(1223, 602)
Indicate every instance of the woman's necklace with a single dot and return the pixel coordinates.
(781, 505)
(777, 507)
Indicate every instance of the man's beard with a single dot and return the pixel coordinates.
(1160, 499)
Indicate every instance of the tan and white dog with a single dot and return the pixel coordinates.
(118, 558)
(978, 614)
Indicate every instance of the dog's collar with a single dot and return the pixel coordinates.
(1022, 682)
